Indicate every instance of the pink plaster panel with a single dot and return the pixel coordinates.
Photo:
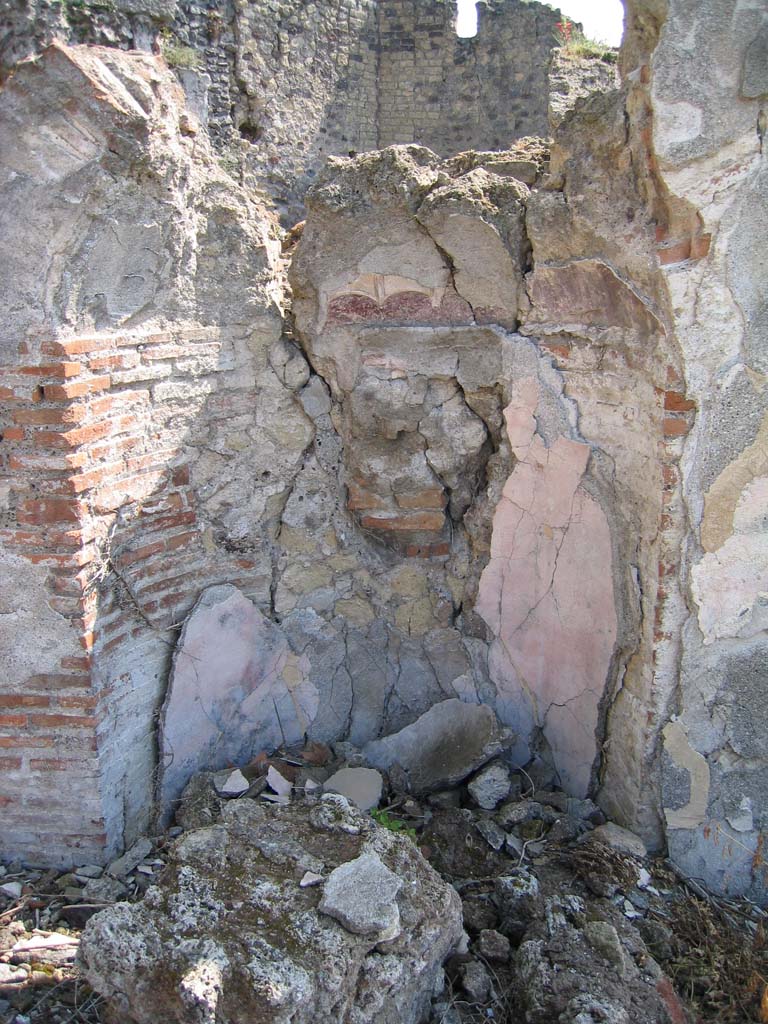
(547, 595)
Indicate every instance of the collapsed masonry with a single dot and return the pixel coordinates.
(508, 445)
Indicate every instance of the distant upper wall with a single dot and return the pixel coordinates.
(283, 85)
(452, 93)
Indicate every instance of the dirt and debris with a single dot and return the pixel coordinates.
(559, 924)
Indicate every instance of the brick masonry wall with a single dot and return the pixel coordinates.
(101, 502)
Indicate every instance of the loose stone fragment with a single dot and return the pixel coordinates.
(278, 782)
(490, 786)
(131, 858)
(442, 747)
(493, 945)
(476, 981)
(491, 833)
(360, 785)
(104, 890)
(309, 879)
(620, 839)
(360, 895)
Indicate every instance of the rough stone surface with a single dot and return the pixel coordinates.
(230, 933)
(361, 896)
(490, 786)
(442, 747)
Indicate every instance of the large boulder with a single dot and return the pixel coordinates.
(442, 747)
(231, 933)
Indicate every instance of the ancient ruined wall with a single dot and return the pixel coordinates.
(117, 332)
(452, 94)
(700, 71)
(282, 86)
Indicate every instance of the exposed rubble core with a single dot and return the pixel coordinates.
(491, 428)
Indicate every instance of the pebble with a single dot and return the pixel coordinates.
(12, 889)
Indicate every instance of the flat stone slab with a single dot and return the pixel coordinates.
(620, 839)
(236, 689)
(362, 786)
(360, 895)
(442, 747)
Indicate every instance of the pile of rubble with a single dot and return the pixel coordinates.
(421, 879)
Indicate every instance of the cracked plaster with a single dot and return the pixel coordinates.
(547, 596)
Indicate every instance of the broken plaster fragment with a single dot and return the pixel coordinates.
(278, 782)
(684, 756)
(230, 784)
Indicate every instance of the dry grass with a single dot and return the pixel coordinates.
(720, 967)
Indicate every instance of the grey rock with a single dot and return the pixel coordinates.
(658, 938)
(130, 859)
(620, 839)
(89, 871)
(361, 896)
(446, 798)
(515, 813)
(754, 79)
(104, 890)
(229, 933)
(514, 845)
(491, 833)
(444, 1013)
(476, 981)
(490, 786)
(519, 900)
(315, 398)
(493, 946)
(362, 786)
(585, 809)
(604, 938)
(442, 747)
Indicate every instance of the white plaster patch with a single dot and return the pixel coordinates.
(685, 757)
(730, 585)
(33, 637)
(547, 595)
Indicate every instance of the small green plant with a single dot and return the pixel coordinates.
(177, 55)
(386, 820)
(575, 44)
